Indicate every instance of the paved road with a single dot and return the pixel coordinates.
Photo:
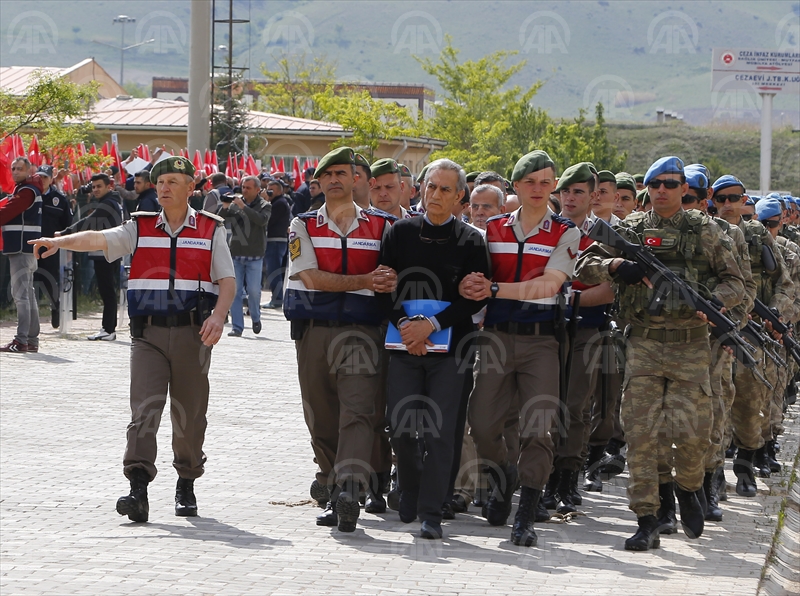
(64, 413)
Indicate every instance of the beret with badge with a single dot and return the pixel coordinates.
(696, 179)
(574, 174)
(665, 165)
(625, 182)
(768, 207)
(385, 166)
(726, 181)
(342, 155)
(405, 172)
(531, 162)
(171, 165)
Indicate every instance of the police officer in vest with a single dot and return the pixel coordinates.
(21, 219)
(533, 253)
(667, 387)
(330, 299)
(180, 288)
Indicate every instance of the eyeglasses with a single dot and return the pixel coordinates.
(671, 184)
(426, 240)
(747, 216)
(771, 223)
(731, 198)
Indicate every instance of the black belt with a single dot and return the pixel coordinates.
(541, 328)
(669, 336)
(326, 323)
(184, 319)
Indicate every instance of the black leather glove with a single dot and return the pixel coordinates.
(630, 272)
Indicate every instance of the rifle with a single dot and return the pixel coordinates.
(759, 336)
(606, 344)
(565, 334)
(665, 281)
(768, 314)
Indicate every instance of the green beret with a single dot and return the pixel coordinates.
(422, 172)
(643, 197)
(171, 165)
(626, 182)
(574, 174)
(592, 169)
(606, 176)
(639, 178)
(385, 166)
(472, 175)
(342, 155)
(404, 171)
(361, 161)
(532, 162)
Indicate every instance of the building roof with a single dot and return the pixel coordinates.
(16, 79)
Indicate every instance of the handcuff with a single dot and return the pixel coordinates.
(403, 320)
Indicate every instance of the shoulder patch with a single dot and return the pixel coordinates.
(308, 215)
(144, 214)
(563, 220)
(380, 213)
(212, 216)
(695, 217)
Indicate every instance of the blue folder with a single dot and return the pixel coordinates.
(441, 339)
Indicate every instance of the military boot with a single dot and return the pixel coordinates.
(348, 506)
(730, 452)
(691, 512)
(710, 488)
(592, 481)
(498, 507)
(320, 493)
(760, 463)
(774, 466)
(646, 536)
(722, 484)
(568, 484)
(135, 505)
(549, 498)
(613, 463)
(522, 533)
(374, 502)
(185, 501)
(393, 496)
(329, 517)
(667, 520)
(743, 468)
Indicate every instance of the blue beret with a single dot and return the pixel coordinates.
(696, 179)
(773, 195)
(665, 165)
(726, 181)
(768, 207)
(749, 201)
(700, 167)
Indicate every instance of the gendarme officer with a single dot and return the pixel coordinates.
(180, 288)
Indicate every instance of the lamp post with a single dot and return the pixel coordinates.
(122, 19)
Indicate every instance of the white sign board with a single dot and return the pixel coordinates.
(762, 71)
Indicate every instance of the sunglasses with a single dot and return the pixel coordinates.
(747, 216)
(731, 198)
(671, 184)
(770, 223)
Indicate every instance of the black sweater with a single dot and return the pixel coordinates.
(432, 271)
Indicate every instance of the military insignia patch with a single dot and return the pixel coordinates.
(179, 165)
(294, 249)
(55, 201)
(546, 227)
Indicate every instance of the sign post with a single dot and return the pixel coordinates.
(737, 71)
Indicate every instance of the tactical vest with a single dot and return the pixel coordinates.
(753, 235)
(169, 273)
(681, 251)
(355, 254)
(25, 226)
(514, 261)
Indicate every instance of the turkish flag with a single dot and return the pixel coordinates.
(104, 151)
(252, 167)
(273, 165)
(281, 167)
(242, 164)
(33, 152)
(652, 241)
(197, 162)
(6, 180)
(229, 167)
(298, 179)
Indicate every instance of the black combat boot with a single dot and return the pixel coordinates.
(760, 463)
(541, 514)
(522, 533)
(551, 488)
(568, 483)
(185, 501)
(320, 493)
(774, 466)
(743, 468)
(348, 506)
(667, 520)
(407, 506)
(329, 517)
(374, 502)
(646, 536)
(613, 462)
(505, 483)
(710, 488)
(722, 484)
(730, 452)
(135, 505)
(592, 481)
(691, 512)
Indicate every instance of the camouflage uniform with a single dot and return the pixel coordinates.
(667, 388)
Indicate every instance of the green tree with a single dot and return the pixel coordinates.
(370, 120)
(292, 87)
(135, 89)
(228, 116)
(485, 126)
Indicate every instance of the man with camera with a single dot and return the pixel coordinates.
(277, 241)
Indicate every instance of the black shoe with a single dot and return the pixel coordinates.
(374, 503)
(447, 512)
(430, 530)
(459, 504)
(348, 507)
(135, 504)
(730, 452)
(55, 317)
(256, 327)
(592, 481)
(743, 468)
(393, 500)
(320, 493)
(185, 501)
(541, 514)
(549, 497)
(407, 507)
(760, 463)
(328, 517)
(567, 487)
(710, 488)
(701, 497)
(774, 466)
(613, 463)
(505, 483)
(646, 536)
(522, 532)
(691, 513)
(234, 333)
(666, 517)
(722, 484)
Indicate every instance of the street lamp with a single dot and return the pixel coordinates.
(122, 19)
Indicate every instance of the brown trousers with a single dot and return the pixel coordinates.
(168, 359)
(340, 373)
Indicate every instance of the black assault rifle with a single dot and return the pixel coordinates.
(770, 315)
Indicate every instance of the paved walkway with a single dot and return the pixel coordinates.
(64, 413)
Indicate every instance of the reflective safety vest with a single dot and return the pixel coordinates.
(25, 226)
(355, 254)
(168, 275)
(514, 261)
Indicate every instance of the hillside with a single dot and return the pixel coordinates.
(657, 53)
